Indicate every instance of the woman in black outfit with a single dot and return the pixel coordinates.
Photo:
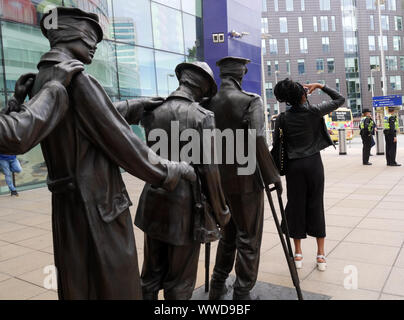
(305, 135)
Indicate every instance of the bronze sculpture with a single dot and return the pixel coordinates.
(171, 254)
(23, 126)
(235, 109)
(95, 250)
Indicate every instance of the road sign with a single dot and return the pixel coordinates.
(387, 101)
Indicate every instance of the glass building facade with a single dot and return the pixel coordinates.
(143, 42)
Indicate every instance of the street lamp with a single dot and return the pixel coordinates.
(372, 84)
(264, 95)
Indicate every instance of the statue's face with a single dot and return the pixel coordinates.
(83, 51)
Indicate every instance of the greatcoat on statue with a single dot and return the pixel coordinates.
(95, 250)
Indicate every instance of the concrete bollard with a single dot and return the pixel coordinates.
(380, 142)
(342, 142)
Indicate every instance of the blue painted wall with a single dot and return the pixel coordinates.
(241, 16)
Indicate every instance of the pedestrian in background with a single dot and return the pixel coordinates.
(368, 128)
(10, 165)
(391, 127)
(305, 134)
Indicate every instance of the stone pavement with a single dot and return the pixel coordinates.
(365, 225)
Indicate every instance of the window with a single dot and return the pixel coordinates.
(372, 22)
(385, 23)
(402, 63)
(351, 65)
(374, 62)
(392, 5)
(289, 5)
(395, 83)
(283, 24)
(370, 4)
(315, 25)
(331, 65)
(325, 44)
(300, 66)
(264, 6)
(333, 25)
(276, 5)
(302, 5)
(320, 92)
(325, 5)
(324, 23)
(385, 44)
(372, 43)
(320, 65)
(391, 63)
(269, 68)
(269, 90)
(350, 44)
(273, 46)
(286, 46)
(300, 22)
(264, 25)
(397, 43)
(276, 65)
(398, 22)
(337, 85)
(264, 47)
(303, 45)
(288, 66)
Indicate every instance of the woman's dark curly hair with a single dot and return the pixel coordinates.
(290, 92)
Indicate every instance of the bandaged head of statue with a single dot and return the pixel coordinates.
(290, 92)
(234, 67)
(75, 30)
(198, 76)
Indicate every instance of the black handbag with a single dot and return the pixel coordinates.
(279, 153)
(206, 229)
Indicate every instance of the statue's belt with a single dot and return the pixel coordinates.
(62, 185)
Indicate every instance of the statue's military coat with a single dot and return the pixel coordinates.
(167, 217)
(20, 132)
(95, 251)
(235, 109)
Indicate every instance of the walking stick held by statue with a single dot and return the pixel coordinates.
(265, 157)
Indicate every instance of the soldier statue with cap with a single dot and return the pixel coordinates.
(94, 244)
(236, 109)
(171, 252)
(391, 128)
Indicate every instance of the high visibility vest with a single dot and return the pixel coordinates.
(370, 126)
(387, 123)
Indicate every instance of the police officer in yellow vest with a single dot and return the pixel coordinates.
(368, 128)
(391, 127)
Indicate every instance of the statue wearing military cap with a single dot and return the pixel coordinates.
(94, 244)
(171, 252)
(235, 110)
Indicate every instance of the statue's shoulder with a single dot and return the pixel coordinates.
(251, 95)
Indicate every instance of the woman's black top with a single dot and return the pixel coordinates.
(305, 130)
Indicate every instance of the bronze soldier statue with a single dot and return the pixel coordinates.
(170, 252)
(236, 109)
(23, 126)
(94, 245)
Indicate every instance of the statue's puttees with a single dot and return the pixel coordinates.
(94, 245)
(170, 252)
(236, 109)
